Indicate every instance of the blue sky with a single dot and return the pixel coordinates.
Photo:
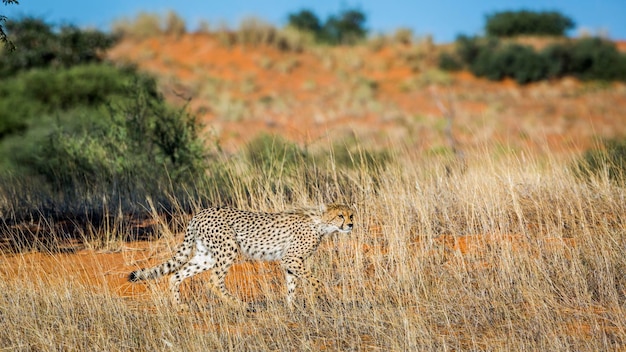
(443, 19)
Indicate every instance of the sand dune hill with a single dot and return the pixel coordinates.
(380, 94)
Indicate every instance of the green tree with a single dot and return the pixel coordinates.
(3, 37)
(41, 45)
(305, 20)
(514, 23)
(347, 28)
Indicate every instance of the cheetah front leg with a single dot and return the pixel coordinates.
(200, 262)
(296, 270)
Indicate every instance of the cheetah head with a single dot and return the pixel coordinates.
(337, 218)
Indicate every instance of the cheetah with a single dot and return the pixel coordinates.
(215, 238)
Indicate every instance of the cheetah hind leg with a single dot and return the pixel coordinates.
(218, 286)
(201, 261)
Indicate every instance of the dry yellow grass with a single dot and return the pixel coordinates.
(514, 253)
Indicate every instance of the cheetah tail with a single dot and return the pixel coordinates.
(183, 253)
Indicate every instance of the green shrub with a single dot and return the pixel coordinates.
(558, 59)
(587, 59)
(123, 143)
(40, 44)
(273, 155)
(595, 58)
(4, 40)
(449, 62)
(350, 155)
(26, 97)
(348, 27)
(609, 159)
(140, 148)
(468, 48)
(514, 23)
(278, 161)
(485, 65)
(305, 20)
(514, 61)
(522, 63)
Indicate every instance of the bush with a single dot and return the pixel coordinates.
(142, 149)
(346, 28)
(514, 23)
(278, 161)
(286, 168)
(3, 36)
(558, 59)
(40, 44)
(527, 66)
(514, 61)
(449, 62)
(274, 155)
(350, 155)
(485, 66)
(27, 97)
(305, 20)
(117, 141)
(609, 159)
(468, 49)
(587, 59)
(595, 58)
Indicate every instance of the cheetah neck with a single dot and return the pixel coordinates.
(316, 218)
(325, 229)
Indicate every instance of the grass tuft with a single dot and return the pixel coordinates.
(509, 254)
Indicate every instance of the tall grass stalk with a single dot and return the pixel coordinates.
(513, 253)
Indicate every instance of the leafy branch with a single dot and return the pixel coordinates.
(3, 19)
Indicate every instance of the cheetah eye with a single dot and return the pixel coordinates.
(351, 217)
(340, 216)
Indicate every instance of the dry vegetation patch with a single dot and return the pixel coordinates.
(510, 254)
(388, 94)
(472, 231)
